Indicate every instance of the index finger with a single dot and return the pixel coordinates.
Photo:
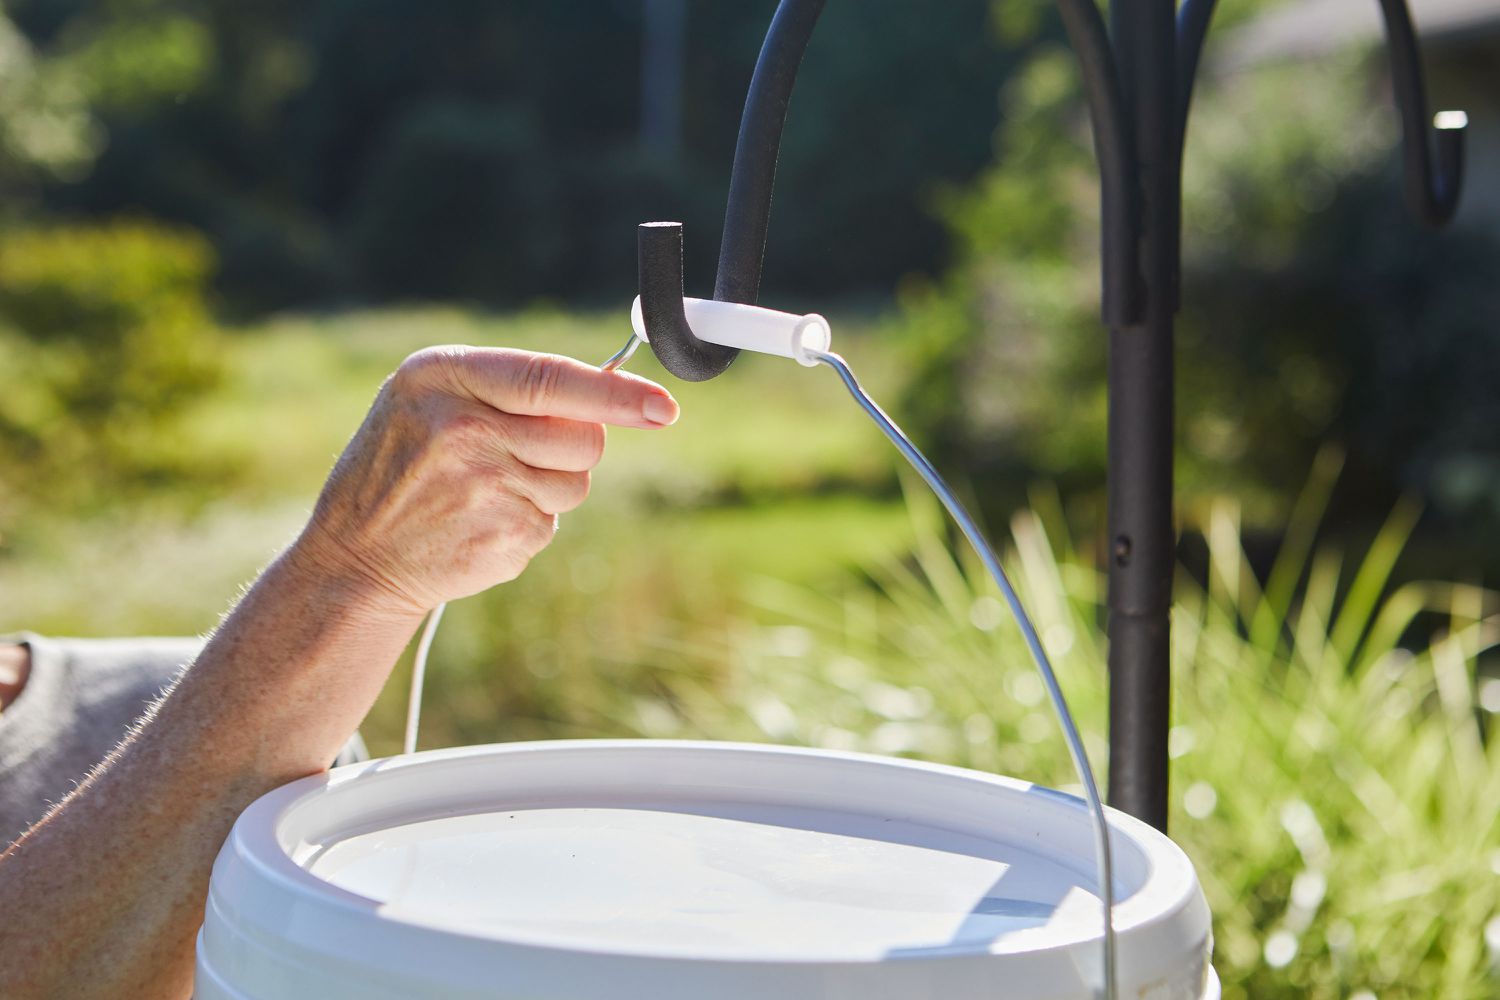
(549, 385)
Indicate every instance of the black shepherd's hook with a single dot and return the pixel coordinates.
(1432, 194)
(748, 212)
(659, 257)
(746, 216)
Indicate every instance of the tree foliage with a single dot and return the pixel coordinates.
(106, 337)
(489, 151)
(1313, 306)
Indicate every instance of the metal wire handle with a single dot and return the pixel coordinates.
(991, 561)
(419, 678)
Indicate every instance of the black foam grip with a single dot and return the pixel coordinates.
(659, 255)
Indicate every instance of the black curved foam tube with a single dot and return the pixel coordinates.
(659, 256)
(746, 216)
(748, 212)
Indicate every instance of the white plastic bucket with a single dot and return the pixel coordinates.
(585, 870)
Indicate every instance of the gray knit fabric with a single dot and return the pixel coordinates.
(77, 704)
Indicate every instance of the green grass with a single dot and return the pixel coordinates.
(299, 386)
(753, 573)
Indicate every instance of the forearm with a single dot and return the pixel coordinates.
(452, 484)
(103, 897)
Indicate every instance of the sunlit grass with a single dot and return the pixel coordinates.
(299, 386)
(1337, 789)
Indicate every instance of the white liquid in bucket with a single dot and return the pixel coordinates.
(592, 869)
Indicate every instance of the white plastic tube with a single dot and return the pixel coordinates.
(750, 328)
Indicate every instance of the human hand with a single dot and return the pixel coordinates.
(455, 479)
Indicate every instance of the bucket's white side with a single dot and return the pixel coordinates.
(274, 932)
(209, 986)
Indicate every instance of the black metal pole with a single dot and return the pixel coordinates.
(1142, 537)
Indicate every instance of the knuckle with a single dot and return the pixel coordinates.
(527, 529)
(508, 433)
(538, 531)
(540, 378)
(419, 366)
(466, 431)
(506, 479)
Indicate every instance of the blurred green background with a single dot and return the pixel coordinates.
(222, 224)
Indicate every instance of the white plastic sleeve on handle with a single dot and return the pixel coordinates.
(750, 328)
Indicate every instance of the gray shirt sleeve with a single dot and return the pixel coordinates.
(80, 699)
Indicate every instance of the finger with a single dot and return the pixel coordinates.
(520, 382)
(550, 491)
(553, 442)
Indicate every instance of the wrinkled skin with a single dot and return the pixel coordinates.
(453, 483)
(455, 480)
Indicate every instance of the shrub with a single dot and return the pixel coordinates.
(467, 201)
(109, 337)
(1313, 307)
(1334, 776)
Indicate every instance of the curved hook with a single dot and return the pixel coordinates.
(748, 211)
(1114, 148)
(747, 214)
(1431, 194)
(1193, 17)
(659, 256)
